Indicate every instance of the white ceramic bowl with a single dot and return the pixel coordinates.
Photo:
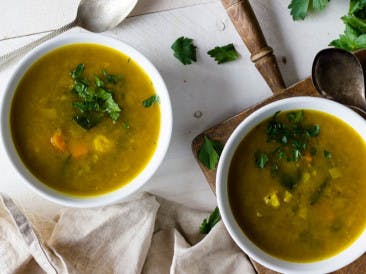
(324, 266)
(165, 130)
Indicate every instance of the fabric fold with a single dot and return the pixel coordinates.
(146, 234)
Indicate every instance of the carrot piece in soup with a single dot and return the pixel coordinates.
(78, 150)
(58, 141)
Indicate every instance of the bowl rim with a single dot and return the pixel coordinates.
(337, 261)
(166, 121)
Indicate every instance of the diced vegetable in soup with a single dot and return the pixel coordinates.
(80, 121)
(297, 186)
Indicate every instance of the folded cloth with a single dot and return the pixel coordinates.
(145, 235)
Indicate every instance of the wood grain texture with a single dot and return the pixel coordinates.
(246, 23)
(222, 131)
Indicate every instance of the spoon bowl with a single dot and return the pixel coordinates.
(337, 74)
(92, 15)
(102, 15)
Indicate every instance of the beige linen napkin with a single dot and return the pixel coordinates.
(144, 235)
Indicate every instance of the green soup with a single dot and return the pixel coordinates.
(297, 185)
(56, 138)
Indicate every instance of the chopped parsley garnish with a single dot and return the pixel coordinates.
(224, 54)
(150, 101)
(209, 153)
(327, 154)
(208, 223)
(112, 78)
(94, 101)
(300, 8)
(314, 198)
(184, 50)
(261, 159)
(294, 141)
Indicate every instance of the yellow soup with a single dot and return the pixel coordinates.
(297, 186)
(85, 119)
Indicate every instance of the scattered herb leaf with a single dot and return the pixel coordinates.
(295, 116)
(224, 54)
(313, 151)
(300, 8)
(76, 73)
(318, 193)
(261, 159)
(313, 130)
(150, 101)
(209, 153)
(125, 125)
(208, 223)
(85, 121)
(327, 154)
(111, 78)
(184, 50)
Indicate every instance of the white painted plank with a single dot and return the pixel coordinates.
(24, 17)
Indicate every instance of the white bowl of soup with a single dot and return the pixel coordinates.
(86, 120)
(291, 186)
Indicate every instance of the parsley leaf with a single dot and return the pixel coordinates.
(184, 50)
(76, 73)
(111, 78)
(299, 9)
(327, 154)
(261, 159)
(208, 223)
(150, 101)
(85, 121)
(224, 54)
(209, 153)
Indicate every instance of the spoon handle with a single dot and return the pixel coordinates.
(10, 55)
(246, 23)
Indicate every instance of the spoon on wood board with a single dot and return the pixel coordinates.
(337, 74)
(92, 15)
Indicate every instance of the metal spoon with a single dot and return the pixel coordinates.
(337, 74)
(92, 15)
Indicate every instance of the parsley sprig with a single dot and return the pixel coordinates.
(209, 153)
(224, 54)
(208, 223)
(300, 8)
(184, 50)
(94, 100)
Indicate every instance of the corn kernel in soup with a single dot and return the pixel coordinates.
(79, 120)
(297, 187)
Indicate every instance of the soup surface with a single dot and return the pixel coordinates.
(297, 186)
(85, 119)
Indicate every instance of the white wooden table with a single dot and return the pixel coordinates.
(218, 91)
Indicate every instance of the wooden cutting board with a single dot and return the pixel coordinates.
(248, 27)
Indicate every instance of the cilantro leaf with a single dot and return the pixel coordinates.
(150, 101)
(224, 54)
(299, 9)
(208, 223)
(209, 153)
(184, 50)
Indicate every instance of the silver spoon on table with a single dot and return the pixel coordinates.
(92, 15)
(337, 74)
